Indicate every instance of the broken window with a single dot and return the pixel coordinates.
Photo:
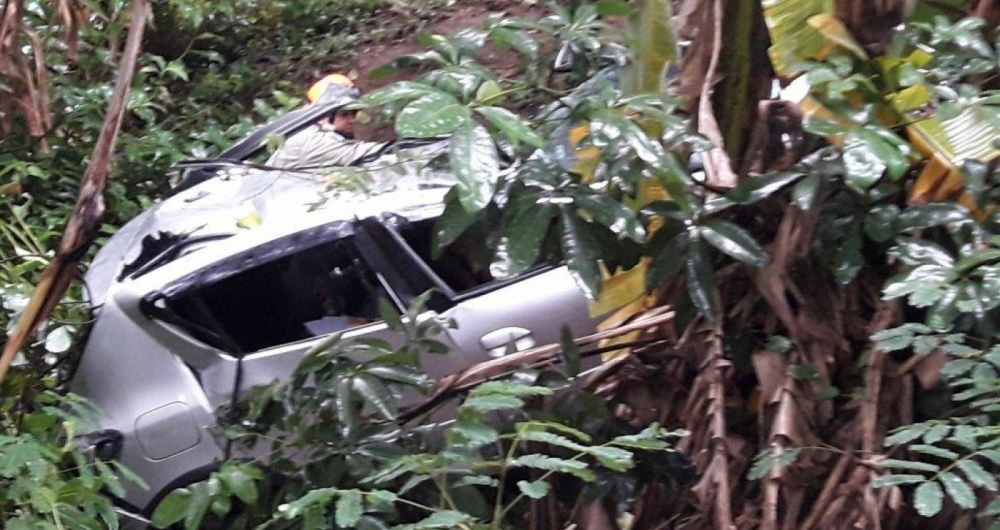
(464, 264)
(455, 264)
(316, 291)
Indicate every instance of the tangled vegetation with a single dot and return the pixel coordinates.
(818, 278)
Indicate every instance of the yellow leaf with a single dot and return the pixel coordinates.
(837, 33)
(620, 289)
(910, 98)
(793, 40)
(251, 220)
(619, 317)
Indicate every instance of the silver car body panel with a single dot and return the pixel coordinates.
(161, 388)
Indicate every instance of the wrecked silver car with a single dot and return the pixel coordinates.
(226, 284)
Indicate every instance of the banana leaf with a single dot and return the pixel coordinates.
(947, 144)
(654, 45)
(793, 39)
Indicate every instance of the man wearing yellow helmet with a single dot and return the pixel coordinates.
(330, 142)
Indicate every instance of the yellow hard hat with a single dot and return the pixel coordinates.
(319, 87)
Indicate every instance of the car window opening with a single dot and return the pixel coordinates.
(317, 291)
(455, 266)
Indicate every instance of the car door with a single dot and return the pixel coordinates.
(491, 316)
(269, 314)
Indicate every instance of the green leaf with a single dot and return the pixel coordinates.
(518, 40)
(653, 44)
(805, 372)
(613, 458)
(977, 259)
(403, 375)
(978, 475)
(537, 425)
(896, 480)
(439, 519)
(779, 344)
(528, 223)
(536, 490)
(474, 432)
(613, 8)
(757, 188)
(454, 221)
(993, 508)
(619, 218)
(958, 490)
(928, 499)
(375, 394)
(490, 402)
(701, 284)
(936, 433)
(511, 125)
(172, 508)
(881, 223)
(346, 411)
(769, 460)
(934, 450)
(317, 497)
(433, 114)
(401, 91)
(734, 242)
(907, 433)
(489, 92)
(910, 465)
(196, 510)
(510, 388)
(239, 483)
(805, 192)
(936, 214)
(581, 251)
(668, 250)
(848, 259)
(349, 508)
(475, 164)
(862, 162)
(548, 463)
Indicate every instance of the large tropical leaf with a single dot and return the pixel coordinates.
(793, 39)
(433, 114)
(654, 46)
(968, 136)
(947, 144)
(474, 161)
(582, 252)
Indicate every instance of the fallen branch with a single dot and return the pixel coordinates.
(83, 226)
(480, 373)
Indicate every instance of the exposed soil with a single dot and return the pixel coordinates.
(404, 24)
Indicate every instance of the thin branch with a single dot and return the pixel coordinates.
(83, 226)
(477, 374)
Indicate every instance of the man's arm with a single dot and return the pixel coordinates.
(315, 148)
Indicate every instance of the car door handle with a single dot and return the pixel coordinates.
(496, 341)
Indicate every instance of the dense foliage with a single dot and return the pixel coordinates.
(831, 266)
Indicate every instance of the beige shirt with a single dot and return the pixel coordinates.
(316, 148)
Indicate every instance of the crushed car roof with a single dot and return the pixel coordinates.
(242, 200)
